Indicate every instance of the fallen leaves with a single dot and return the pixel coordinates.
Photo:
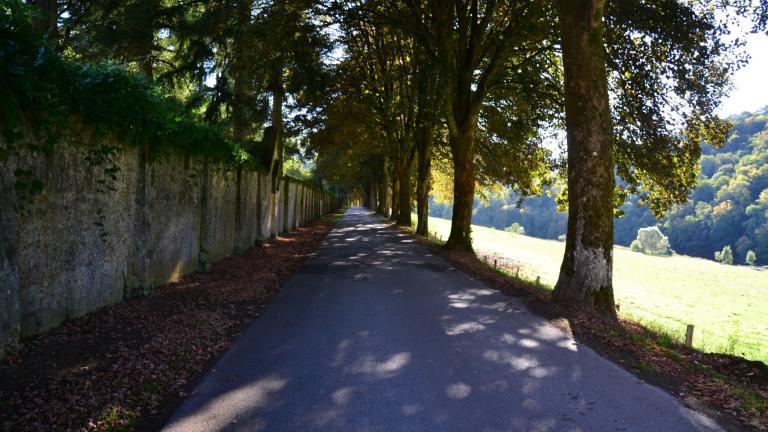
(126, 365)
(730, 387)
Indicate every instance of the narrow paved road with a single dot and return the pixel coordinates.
(376, 334)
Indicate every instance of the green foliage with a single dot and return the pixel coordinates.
(652, 241)
(728, 206)
(665, 292)
(538, 213)
(726, 255)
(751, 258)
(298, 169)
(44, 93)
(669, 64)
(635, 246)
(515, 228)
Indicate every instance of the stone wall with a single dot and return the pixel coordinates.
(73, 249)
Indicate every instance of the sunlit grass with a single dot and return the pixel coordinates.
(726, 304)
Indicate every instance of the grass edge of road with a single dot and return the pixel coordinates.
(723, 302)
(730, 389)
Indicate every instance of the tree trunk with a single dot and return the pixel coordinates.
(423, 136)
(462, 148)
(586, 272)
(383, 183)
(276, 165)
(278, 94)
(395, 195)
(144, 34)
(371, 203)
(47, 21)
(241, 87)
(404, 198)
(424, 179)
(375, 201)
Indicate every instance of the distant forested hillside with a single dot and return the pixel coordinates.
(728, 207)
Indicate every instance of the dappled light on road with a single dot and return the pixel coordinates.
(375, 334)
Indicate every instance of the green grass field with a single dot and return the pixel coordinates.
(728, 305)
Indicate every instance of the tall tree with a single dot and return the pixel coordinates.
(425, 134)
(586, 272)
(290, 48)
(667, 65)
(478, 47)
(46, 20)
(242, 71)
(380, 61)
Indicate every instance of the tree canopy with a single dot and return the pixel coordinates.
(378, 90)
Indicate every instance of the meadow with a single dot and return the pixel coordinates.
(727, 304)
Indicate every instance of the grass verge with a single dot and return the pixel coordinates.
(729, 388)
(724, 302)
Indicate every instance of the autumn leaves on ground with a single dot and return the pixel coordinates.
(126, 366)
(727, 387)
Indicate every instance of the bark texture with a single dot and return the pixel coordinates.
(276, 141)
(47, 20)
(241, 88)
(383, 202)
(146, 38)
(586, 272)
(423, 186)
(462, 147)
(395, 196)
(404, 201)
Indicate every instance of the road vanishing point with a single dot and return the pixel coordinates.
(375, 333)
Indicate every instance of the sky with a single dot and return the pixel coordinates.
(751, 82)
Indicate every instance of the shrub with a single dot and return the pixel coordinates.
(635, 246)
(726, 255)
(652, 241)
(751, 258)
(515, 228)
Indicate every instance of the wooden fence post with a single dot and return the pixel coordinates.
(689, 336)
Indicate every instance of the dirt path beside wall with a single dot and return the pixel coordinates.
(126, 366)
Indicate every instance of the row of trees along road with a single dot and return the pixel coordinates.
(635, 84)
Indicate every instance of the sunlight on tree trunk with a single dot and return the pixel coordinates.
(586, 272)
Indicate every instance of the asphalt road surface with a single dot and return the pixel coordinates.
(374, 333)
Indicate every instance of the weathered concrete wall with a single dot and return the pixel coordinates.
(10, 306)
(164, 218)
(65, 268)
(267, 221)
(172, 221)
(247, 219)
(280, 203)
(291, 206)
(219, 238)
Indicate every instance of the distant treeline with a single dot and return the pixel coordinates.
(728, 207)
